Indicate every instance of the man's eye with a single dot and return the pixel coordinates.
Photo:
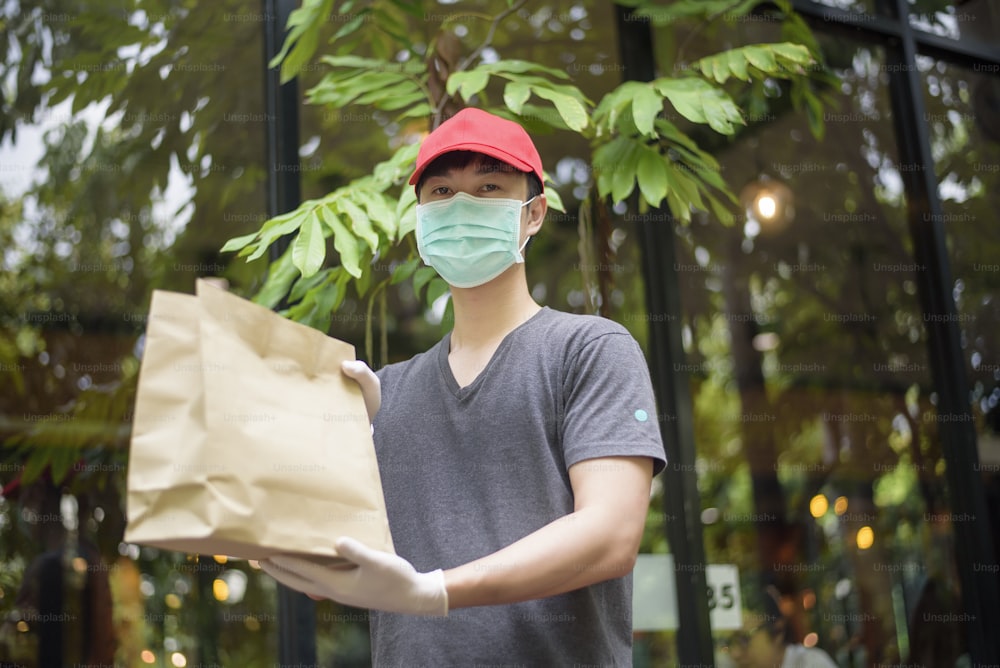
(490, 187)
(440, 190)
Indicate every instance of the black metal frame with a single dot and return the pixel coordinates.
(296, 611)
(681, 502)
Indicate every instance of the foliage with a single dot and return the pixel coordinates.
(635, 149)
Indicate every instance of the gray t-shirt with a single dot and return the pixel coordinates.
(468, 471)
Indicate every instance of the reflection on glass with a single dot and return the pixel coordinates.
(866, 6)
(976, 20)
(813, 398)
(964, 128)
(139, 151)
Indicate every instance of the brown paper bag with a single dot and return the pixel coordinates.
(248, 440)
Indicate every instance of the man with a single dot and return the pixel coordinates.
(516, 455)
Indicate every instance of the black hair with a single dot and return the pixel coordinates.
(446, 162)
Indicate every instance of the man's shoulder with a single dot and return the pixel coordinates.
(579, 327)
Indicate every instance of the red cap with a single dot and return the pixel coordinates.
(476, 130)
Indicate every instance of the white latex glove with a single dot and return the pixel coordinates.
(371, 387)
(378, 580)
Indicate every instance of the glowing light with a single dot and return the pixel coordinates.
(251, 623)
(172, 601)
(79, 564)
(768, 201)
(810, 640)
(22, 626)
(840, 505)
(818, 505)
(178, 660)
(865, 538)
(220, 589)
(766, 206)
(221, 558)
(147, 656)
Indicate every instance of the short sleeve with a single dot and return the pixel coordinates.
(609, 408)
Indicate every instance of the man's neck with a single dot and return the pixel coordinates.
(485, 314)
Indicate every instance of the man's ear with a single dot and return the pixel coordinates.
(536, 214)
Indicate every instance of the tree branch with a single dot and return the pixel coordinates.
(464, 64)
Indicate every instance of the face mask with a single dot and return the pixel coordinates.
(470, 240)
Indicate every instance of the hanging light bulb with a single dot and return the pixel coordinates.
(769, 205)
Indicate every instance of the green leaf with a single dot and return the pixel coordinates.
(402, 100)
(724, 215)
(309, 247)
(720, 70)
(277, 227)
(406, 212)
(305, 284)
(360, 223)
(304, 25)
(345, 242)
(351, 25)
(685, 95)
(646, 106)
(701, 102)
(404, 270)
(387, 97)
(796, 53)
(607, 159)
(611, 105)
(737, 65)
(437, 287)
(515, 94)
(570, 109)
(399, 166)
(761, 57)
(684, 188)
(364, 281)
(652, 176)
(554, 199)
(280, 275)
(467, 83)
(623, 176)
(378, 211)
(236, 243)
(516, 66)
(814, 113)
(422, 276)
(419, 111)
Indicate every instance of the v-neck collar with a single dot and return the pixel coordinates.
(444, 349)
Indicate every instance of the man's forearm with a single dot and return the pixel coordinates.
(587, 546)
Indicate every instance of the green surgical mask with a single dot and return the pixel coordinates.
(470, 240)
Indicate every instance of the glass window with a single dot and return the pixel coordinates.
(966, 20)
(821, 472)
(964, 127)
(133, 148)
(864, 6)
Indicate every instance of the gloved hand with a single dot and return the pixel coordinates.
(378, 580)
(371, 387)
